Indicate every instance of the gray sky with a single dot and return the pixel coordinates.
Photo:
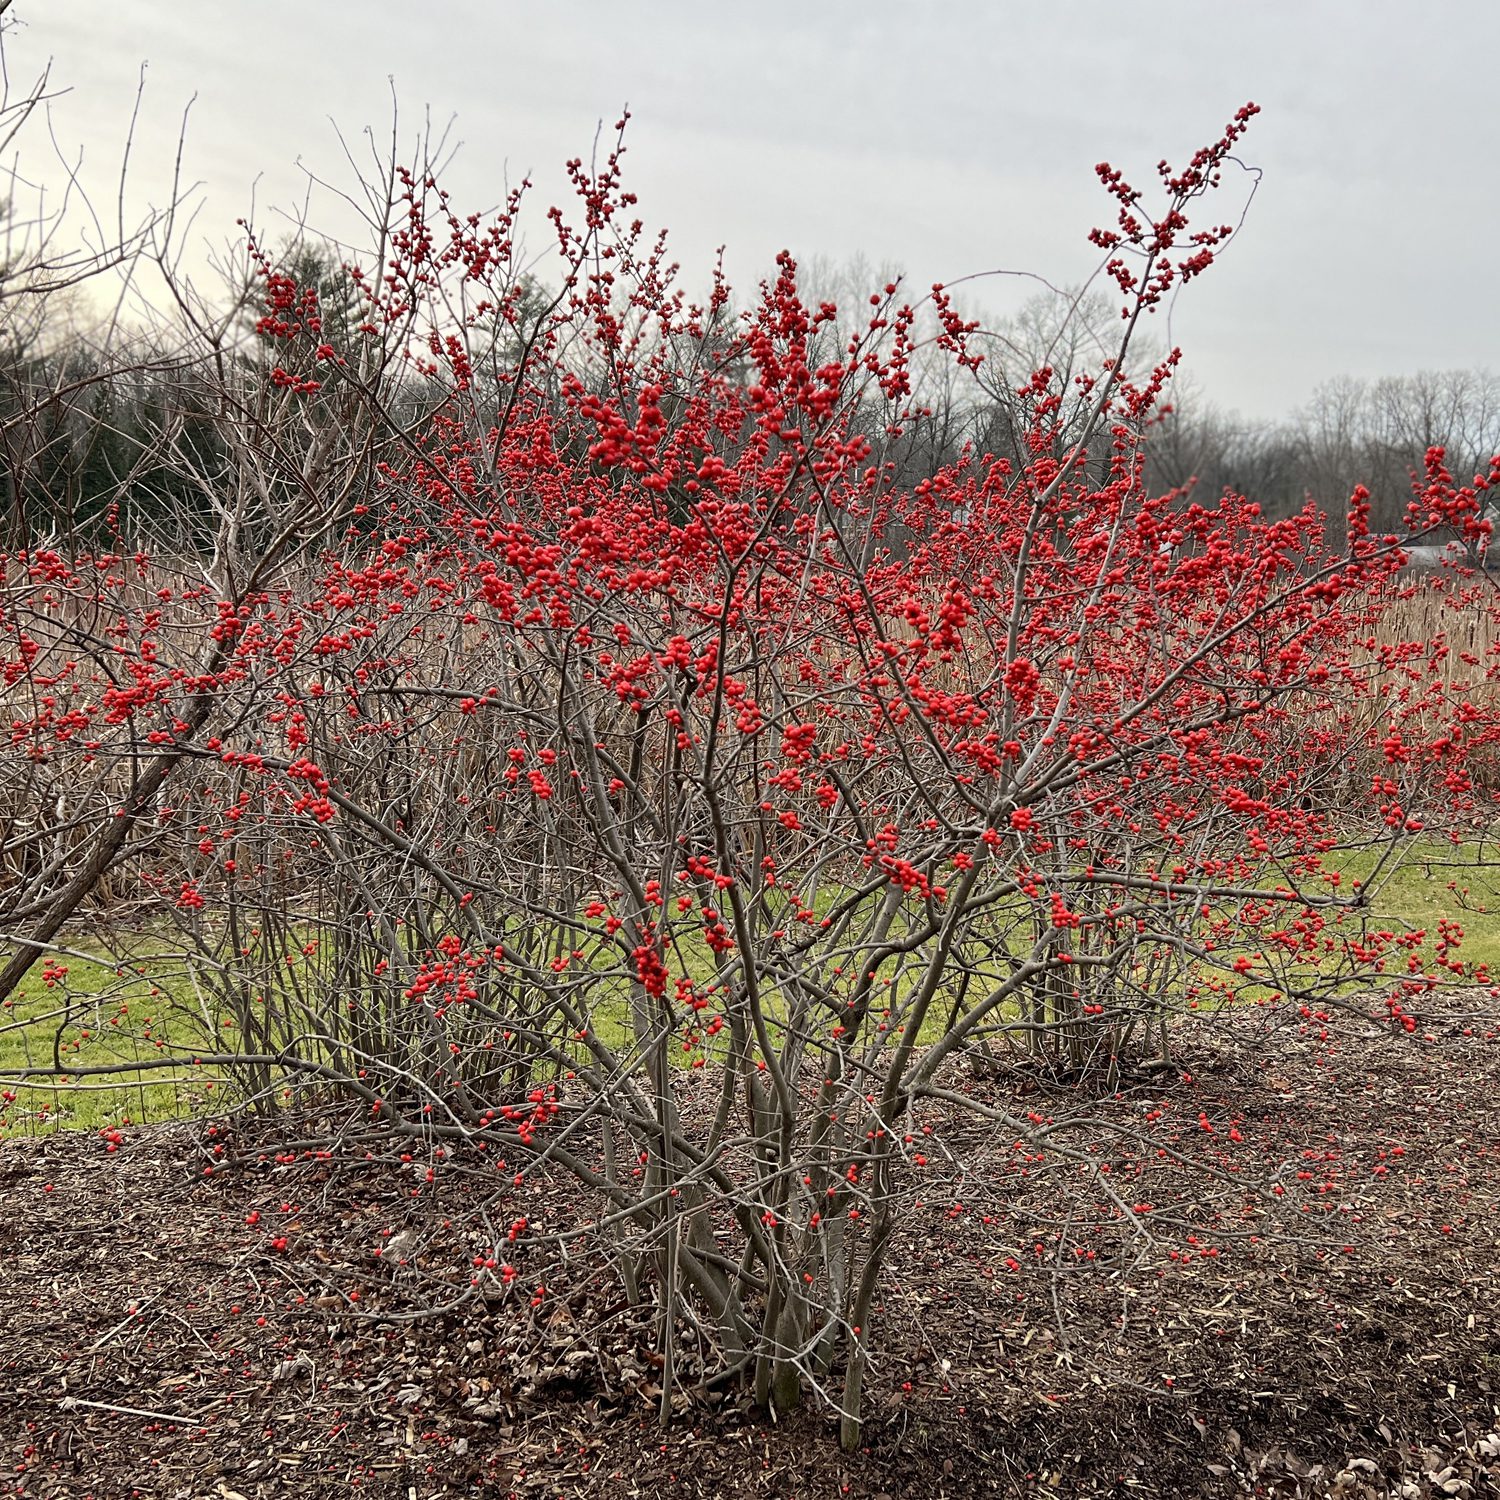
(944, 138)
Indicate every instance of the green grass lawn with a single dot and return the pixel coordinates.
(1432, 882)
(78, 1008)
(88, 1010)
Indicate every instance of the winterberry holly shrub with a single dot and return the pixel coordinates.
(591, 735)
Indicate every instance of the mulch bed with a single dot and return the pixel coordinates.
(249, 1332)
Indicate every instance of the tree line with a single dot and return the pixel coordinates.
(134, 433)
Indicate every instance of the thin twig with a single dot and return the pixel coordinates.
(72, 1403)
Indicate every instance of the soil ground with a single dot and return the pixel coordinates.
(170, 1331)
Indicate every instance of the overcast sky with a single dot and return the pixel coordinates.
(942, 138)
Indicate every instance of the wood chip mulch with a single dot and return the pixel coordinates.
(1316, 1312)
